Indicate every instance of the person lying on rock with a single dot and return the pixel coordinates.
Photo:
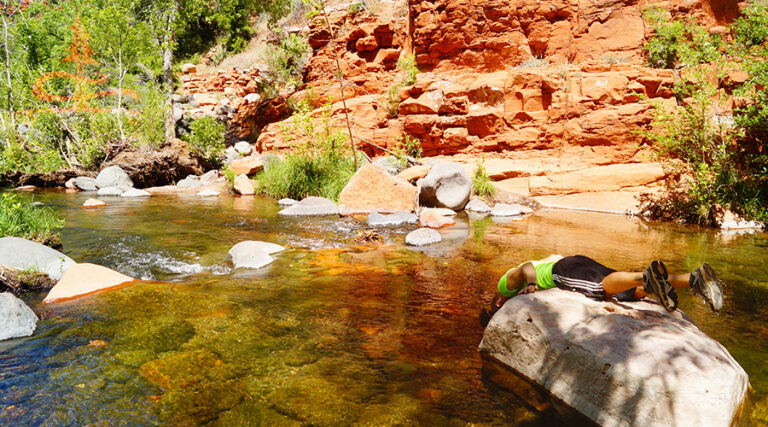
(585, 275)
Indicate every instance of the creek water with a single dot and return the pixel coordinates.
(331, 333)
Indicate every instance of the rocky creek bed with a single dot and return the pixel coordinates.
(331, 332)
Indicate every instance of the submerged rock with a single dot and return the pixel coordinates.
(372, 189)
(447, 185)
(110, 191)
(503, 209)
(136, 193)
(615, 364)
(477, 205)
(85, 183)
(287, 202)
(253, 254)
(433, 218)
(16, 319)
(82, 279)
(113, 176)
(311, 206)
(422, 237)
(93, 203)
(376, 219)
(25, 254)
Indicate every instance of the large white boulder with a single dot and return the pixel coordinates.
(617, 364)
(447, 185)
(113, 176)
(372, 189)
(23, 254)
(16, 319)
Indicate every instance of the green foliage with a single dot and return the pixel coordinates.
(481, 182)
(678, 42)
(207, 137)
(534, 63)
(229, 174)
(408, 148)
(287, 59)
(408, 64)
(355, 8)
(321, 164)
(20, 218)
(751, 29)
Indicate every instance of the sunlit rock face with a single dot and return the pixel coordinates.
(628, 363)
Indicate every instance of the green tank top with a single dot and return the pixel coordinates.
(543, 278)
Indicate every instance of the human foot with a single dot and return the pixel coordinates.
(704, 283)
(656, 283)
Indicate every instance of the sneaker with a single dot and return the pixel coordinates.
(656, 283)
(704, 283)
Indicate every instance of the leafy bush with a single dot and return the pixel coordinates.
(676, 42)
(751, 29)
(287, 59)
(355, 8)
(206, 137)
(408, 64)
(407, 148)
(393, 94)
(20, 218)
(320, 166)
(481, 182)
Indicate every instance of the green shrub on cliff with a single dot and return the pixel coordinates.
(20, 218)
(408, 65)
(678, 42)
(206, 137)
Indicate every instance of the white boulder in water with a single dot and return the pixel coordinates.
(110, 191)
(423, 237)
(477, 205)
(253, 254)
(113, 176)
(82, 279)
(311, 206)
(23, 254)
(376, 219)
(616, 364)
(503, 209)
(136, 193)
(16, 319)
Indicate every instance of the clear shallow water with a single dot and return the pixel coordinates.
(331, 333)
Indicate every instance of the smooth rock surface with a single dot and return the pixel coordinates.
(16, 319)
(136, 193)
(414, 172)
(85, 183)
(446, 185)
(287, 202)
(93, 203)
(376, 219)
(189, 182)
(477, 205)
(432, 218)
(311, 206)
(113, 176)
(25, 254)
(422, 237)
(372, 189)
(243, 147)
(243, 185)
(253, 254)
(209, 177)
(389, 164)
(617, 364)
(504, 209)
(110, 191)
(208, 193)
(247, 165)
(85, 278)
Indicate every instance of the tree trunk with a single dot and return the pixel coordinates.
(170, 38)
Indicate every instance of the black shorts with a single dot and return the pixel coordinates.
(585, 275)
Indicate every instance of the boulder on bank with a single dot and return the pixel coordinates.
(82, 279)
(372, 189)
(110, 191)
(615, 364)
(376, 219)
(477, 205)
(247, 165)
(253, 254)
(85, 183)
(422, 237)
(311, 206)
(113, 176)
(16, 319)
(25, 254)
(389, 164)
(447, 185)
(243, 186)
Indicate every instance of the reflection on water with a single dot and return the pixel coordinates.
(331, 333)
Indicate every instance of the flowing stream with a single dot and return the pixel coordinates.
(332, 333)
